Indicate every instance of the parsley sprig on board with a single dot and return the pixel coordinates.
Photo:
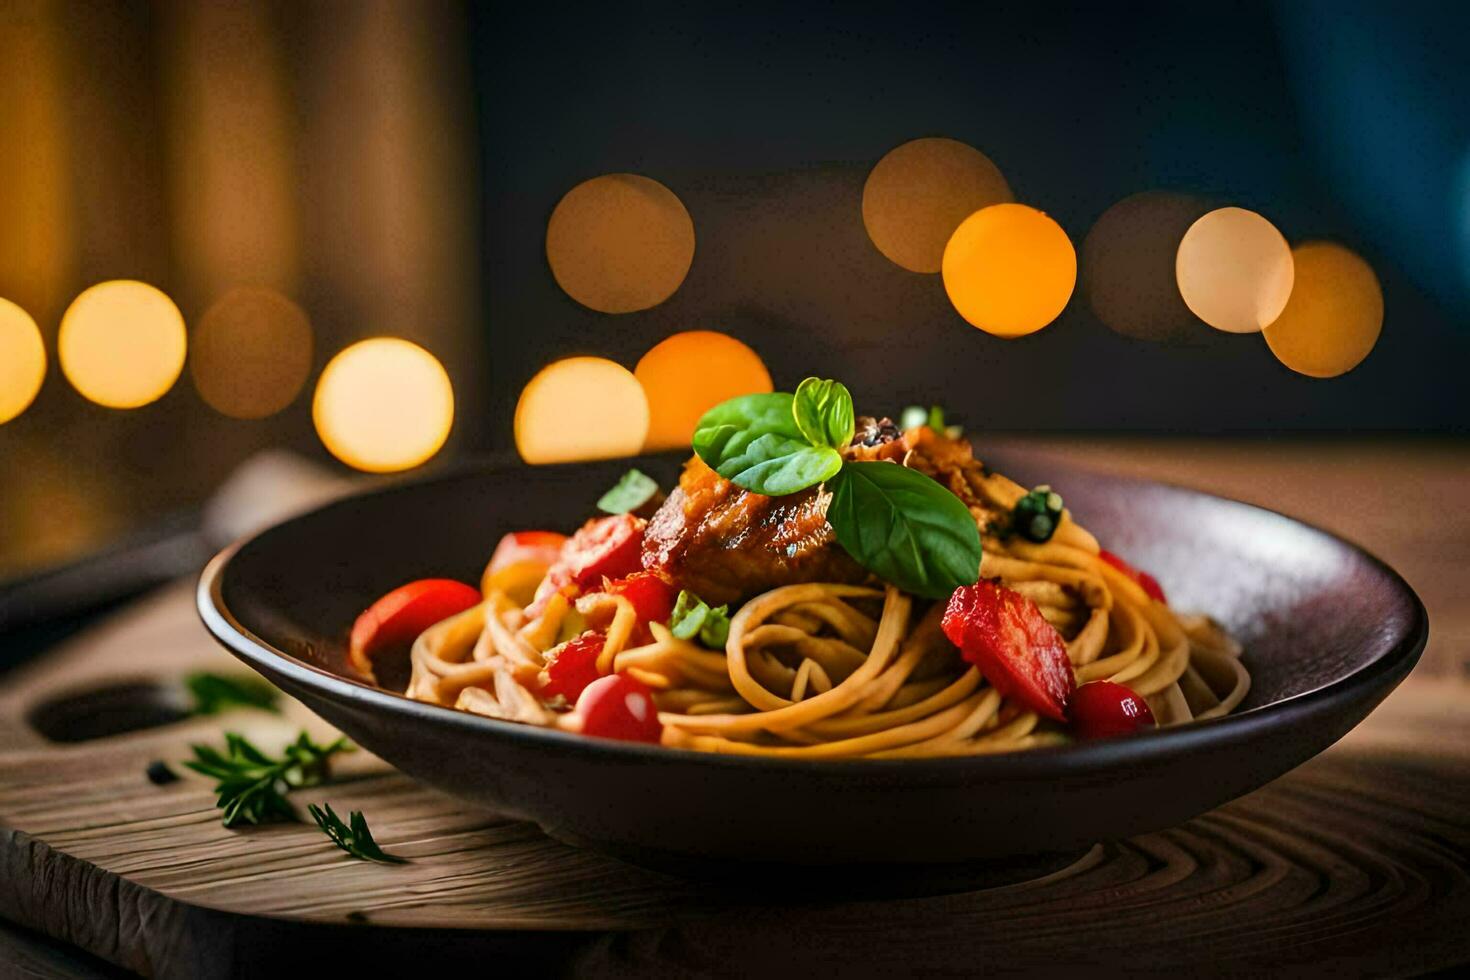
(354, 837)
(251, 785)
(213, 693)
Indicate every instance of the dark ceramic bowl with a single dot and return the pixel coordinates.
(1328, 629)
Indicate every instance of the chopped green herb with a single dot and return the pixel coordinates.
(252, 786)
(632, 491)
(1036, 515)
(693, 618)
(914, 415)
(213, 693)
(354, 836)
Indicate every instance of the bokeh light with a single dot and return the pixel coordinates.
(581, 408)
(1335, 313)
(383, 405)
(689, 373)
(122, 343)
(1234, 270)
(919, 193)
(22, 360)
(251, 352)
(1127, 265)
(1009, 269)
(620, 243)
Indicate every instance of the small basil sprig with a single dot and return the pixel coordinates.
(897, 522)
(754, 442)
(823, 413)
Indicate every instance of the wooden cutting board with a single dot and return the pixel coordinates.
(1356, 861)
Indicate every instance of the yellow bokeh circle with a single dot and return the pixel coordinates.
(251, 352)
(383, 405)
(1009, 269)
(122, 343)
(581, 408)
(1335, 313)
(22, 360)
(689, 373)
(918, 194)
(620, 243)
(1234, 270)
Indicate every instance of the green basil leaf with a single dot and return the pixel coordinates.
(632, 491)
(753, 441)
(823, 412)
(905, 528)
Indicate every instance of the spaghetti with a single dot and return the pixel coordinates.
(839, 670)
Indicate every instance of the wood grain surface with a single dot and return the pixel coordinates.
(1356, 862)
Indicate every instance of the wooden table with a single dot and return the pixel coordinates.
(1357, 862)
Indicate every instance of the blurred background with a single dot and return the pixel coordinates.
(291, 178)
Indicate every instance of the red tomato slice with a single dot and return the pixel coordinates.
(1019, 652)
(618, 706)
(397, 619)
(572, 666)
(604, 547)
(1147, 582)
(652, 598)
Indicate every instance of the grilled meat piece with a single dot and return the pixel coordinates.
(726, 544)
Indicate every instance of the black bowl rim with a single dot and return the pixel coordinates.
(1071, 759)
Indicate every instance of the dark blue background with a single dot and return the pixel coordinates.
(1338, 120)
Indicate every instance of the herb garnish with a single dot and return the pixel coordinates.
(933, 417)
(632, 491)
(898, 523)
(213, 693)
(693, 617)
(1036, 515)
(252, 786)
(353, 837)
(754, 441)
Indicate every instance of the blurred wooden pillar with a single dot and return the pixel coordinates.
(232, 149)
(36, 207)
(391, 210)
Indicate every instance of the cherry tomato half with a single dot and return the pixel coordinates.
(652, 598)
(396, 620)
(1004, 634)
(572, 666)
(618, 706)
